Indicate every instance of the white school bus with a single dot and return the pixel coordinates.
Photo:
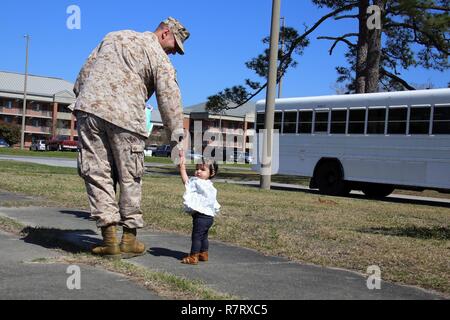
(371, 142)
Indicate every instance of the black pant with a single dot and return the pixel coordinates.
(200, 227)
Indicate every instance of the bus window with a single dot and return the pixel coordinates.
(290, 122)
(441, 122)
(278, 120)
(338, 121)
(260, 121)
(376, 121)
(357, 121)
(397, 120)
(305, 124)
(321, 123)
(419, 122)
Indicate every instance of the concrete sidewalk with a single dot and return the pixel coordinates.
(21, 278)
(237, 271)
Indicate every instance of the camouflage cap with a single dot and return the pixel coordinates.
(180, 33)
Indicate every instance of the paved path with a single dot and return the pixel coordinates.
(238, 271)
(22, 278)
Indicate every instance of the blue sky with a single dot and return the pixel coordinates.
(224, 35)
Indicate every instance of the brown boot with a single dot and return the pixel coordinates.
(110, 247)
(129, 246)
(203, 256)
(191, 259)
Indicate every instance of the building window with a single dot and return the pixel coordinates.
(290, 122)
(8, 104)
(376, 121)
(8, 119)
(420, 120)
(35, 123)
(357, 121)
(441, 123)
(63, 108)
(397, 120)
(338, 121)
(37, 107)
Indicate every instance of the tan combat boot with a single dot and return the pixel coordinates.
(129, 246)
(110, 247)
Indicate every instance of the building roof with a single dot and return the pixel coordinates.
(11, 82)
(242, 111)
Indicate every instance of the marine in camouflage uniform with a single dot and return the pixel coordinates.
(120, 75)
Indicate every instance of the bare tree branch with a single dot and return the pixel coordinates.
(338, 39)
(397, 78)
(350, 16)
(286, 58)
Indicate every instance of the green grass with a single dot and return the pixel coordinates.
(409, 242)
(28, 153)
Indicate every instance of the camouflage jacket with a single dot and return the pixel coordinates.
(121, 74)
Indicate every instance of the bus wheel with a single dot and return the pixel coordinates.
(375, 190)
(329, 179)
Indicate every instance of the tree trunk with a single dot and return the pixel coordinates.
(374, 55)
(362, 48)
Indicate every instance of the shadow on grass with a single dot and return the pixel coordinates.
(163, 252)
(436, 233)
(73, 241)
(437, 202)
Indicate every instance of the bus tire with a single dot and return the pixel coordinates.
(329, 178)
(376, 190)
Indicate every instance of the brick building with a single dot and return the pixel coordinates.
(235, 125)
(46, 114)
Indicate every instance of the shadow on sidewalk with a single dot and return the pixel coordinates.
(163, 252)
(73, 241)
(79, 214)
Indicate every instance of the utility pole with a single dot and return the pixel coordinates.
(24, 109)
(283, 26)
(266, 162)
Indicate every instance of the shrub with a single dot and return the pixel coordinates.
(10, 132)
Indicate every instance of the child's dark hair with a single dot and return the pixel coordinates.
(212, 166)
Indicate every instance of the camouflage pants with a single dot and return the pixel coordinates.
(109, 154)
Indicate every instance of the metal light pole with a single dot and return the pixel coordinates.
(266, 162)
(283, 26)
(24, 109)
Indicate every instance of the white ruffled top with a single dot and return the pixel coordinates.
(201, 196)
